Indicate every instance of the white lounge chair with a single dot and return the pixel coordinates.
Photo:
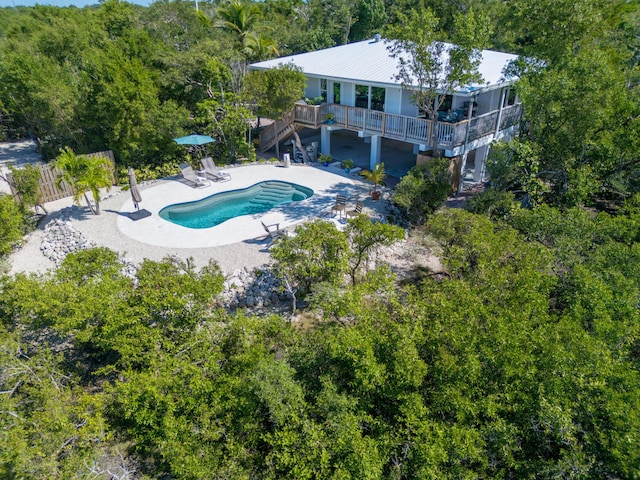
(272, 233)
(211, 170)
(191, 178)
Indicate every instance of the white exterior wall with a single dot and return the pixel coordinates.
(313, 88)
(348, 94)
(497, 96)
(487, 102)
(393, 100)
(457, 101)
(408, 108)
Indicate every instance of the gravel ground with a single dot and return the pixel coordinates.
(102, 230)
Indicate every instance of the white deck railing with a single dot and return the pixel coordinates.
(404, 128)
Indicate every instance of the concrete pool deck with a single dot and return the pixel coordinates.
(154, 230)
(235, 244)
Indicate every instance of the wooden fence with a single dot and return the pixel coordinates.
(48, 186)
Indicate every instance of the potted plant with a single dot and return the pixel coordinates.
(329, 118)
(377, 176)
(325, 159)
(347, 165)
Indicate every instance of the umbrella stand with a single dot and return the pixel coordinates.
(136, 197)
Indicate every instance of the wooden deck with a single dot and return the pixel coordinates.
(397, 127)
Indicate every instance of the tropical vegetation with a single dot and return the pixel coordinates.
(515, 355)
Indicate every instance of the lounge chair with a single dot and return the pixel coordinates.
(211, 170)
(272, 233)
(356, 211)
(340, 205)
(190, 176)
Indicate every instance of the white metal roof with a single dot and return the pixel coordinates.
(369, 62)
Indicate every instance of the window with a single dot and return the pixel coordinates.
(362, 96)
(336, 92)
(323, 89)
(377, 98)
(510, 98)
(445, 106)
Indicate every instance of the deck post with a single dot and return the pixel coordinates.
(325, 140)
(376, 150)
(501, 107)
(479, 165)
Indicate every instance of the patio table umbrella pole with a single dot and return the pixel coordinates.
(136, 197)
(133, 188)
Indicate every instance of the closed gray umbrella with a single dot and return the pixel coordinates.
(133, 188)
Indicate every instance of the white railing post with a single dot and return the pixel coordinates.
(504, 94)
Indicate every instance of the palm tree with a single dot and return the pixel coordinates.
(259, 47)
(243, 20)
(84, 174)
(239, 17)
(377, 176)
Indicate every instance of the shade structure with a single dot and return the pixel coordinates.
(194, 140)
(133, 188)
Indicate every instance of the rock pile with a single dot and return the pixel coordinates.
(252, 289)
(61, 239)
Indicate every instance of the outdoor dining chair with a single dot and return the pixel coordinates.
(356, 211)
(340, 206)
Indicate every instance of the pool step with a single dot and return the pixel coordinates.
(271, 197)
(277, 186)
(274, 193)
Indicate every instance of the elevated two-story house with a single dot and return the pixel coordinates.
(358, 88)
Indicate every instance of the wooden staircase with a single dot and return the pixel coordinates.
(278, 129)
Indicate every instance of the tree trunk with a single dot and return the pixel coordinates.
(86, 197)
(435, 151)
(299, 144)
(291, 291)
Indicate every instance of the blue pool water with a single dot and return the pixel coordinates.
(218, 208)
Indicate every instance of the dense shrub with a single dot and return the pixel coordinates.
(11, 224)
(492, 202)
(423, 190)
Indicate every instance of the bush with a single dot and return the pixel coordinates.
(423, 190)
(26, 181)
(494, 203)
(314, 101)
(149, 172)
(12, 224)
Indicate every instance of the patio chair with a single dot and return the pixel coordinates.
(340, 205)
(356, 211)
(272, 233)
(211, 170)
(191, 178)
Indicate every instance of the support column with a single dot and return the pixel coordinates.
(481, 157)
(376, 150)
(463, 165)
(325, 140)
(499, 118)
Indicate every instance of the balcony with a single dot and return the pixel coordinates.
(407, 129)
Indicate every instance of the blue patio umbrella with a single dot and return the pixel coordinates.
(194, 140)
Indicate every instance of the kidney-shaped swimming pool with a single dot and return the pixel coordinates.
(215, 209)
